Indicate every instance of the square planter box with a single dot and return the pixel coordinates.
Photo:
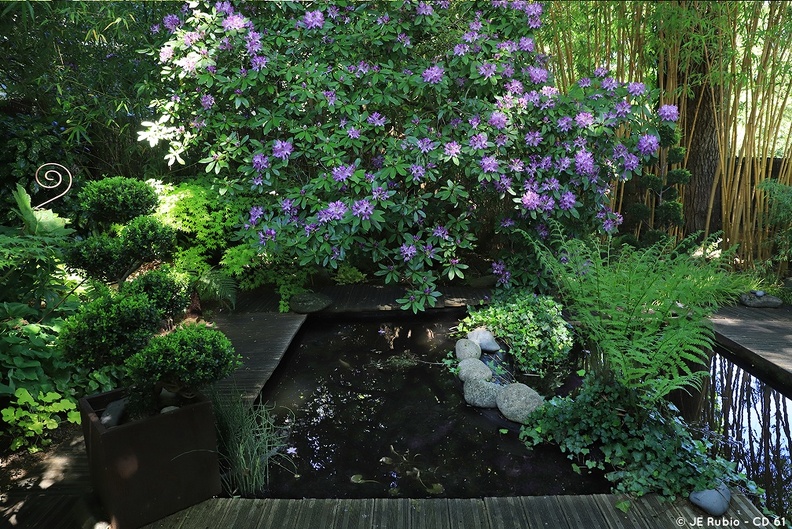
(148, 469)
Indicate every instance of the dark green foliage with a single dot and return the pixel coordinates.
(653, 182)
(100, 256)
(116, 200)
(644, 311)
(109, 329)
(147, 239)
(669, 136)
(537, 336)
(678, 176)
(669, 213)
(643, 448)
(676, 155)
(187, 359)
(167, 290)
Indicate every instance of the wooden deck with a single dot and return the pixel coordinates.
(760, 337)
(261, 338)
(540, 512)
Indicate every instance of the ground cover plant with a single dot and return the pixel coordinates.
(402, 137)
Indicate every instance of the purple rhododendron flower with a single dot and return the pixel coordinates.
(424, 8)
(257, 62)
(452, 149)
(166, 54)
(498, 120)
(376, 119)
(363, 209)
(584, 82)
(584, 163)
(533, 138)
(441, 232)
(487, 70)
(224, 7)
(565, 123)
(379, 193)
(478, 141)
(207, 101)
(433, 74)
(234, 21)
(408, 251)
(260, 162)
(342, 172)
(668, 113)
(567, 201)
(584, 119)
(489, 164)
(537, 75)
(267, 235)
(313, 19)
(353, 133)
(333, 211)
(461, 49)
(330, 95)
(636, 89)
(648, 144)
(609, 83)
(530, 200)
(425, 145)
(282, 149)
(171, 22)
(417, 171)
(255, 214)
(526, 44)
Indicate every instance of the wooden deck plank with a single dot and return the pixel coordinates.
(582, 511)
(249, 513)
(429, 514)
(507, 512)
(261, 339)
(467, 514)
(391, 513)
(354, 514)
(543, 512)
(315, 513)
(762, 337)
(617, 519)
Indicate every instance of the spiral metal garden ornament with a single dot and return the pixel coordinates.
(53, 178)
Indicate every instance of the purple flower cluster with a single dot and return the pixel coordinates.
(668, 113)
(648, 144)
(313, 19)
(343, 172)
(282, 149)
(363, 209)
(333, 211)
(433, 74)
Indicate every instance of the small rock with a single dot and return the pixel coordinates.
(168, 409)
(168, 398)
(751, 299)
(481, 393)
(517, 401)
(113, 413)
(467, 349)
(714, 502)
(485, 339)
(758, 293)
(473, 369)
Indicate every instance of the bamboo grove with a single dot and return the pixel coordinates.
(726, 65)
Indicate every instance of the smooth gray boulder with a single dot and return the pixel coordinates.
(714, 502)
(473, 369)
(111, 416)
(485, 339)
(517, 401)
(763, 301)
(467, 349)
(307, 302)
(481, 394)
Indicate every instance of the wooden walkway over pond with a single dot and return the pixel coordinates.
(538, 512)
(762, 338)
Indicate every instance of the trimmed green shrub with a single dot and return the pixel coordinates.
(166, 289)
(109, 330)
(148, 239)
(100, 256)
(187, 359)
(117, 200)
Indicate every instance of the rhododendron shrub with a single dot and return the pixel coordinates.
(405, 134)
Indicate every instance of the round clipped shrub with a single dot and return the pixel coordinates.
(109, 330)
(165, 288)
(147, 239)
(532, 327)
(187, 359)
(100, 256)
(117, 199)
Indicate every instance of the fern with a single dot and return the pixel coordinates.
(645, 311)
(213, 285)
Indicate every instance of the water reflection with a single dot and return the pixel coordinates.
(754, 421)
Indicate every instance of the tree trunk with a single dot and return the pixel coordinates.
(703, 159)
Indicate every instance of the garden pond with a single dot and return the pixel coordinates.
(372, 411)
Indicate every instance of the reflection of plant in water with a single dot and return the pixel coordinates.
(390, 334)
(404, 464)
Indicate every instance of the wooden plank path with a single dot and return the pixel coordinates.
(761, 337)
(540, 512)
(261, 339)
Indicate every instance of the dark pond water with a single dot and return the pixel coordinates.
(374, 413)
(754, 419)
